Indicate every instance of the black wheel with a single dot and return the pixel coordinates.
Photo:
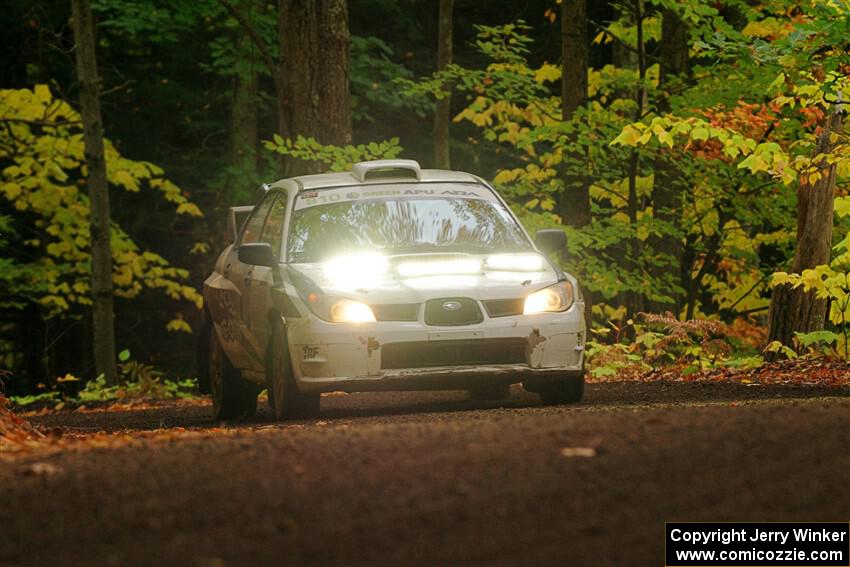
(202, 355)
(285, 399)
(232, 397)
(567, 390)
(490, 392)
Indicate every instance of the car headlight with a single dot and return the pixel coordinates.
(348, 311)
(558, 297)
(340, 310)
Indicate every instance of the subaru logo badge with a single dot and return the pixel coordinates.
(451, 305)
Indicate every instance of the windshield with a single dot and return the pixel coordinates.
(399, 226)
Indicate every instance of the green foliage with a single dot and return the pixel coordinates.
(817, 338)
(830, 282)
(232, 52)
(508, 77)
(137, 381)
(373, 72)
(806, 65)
(729, 153)
(157, 22)
(42, 181)
(815, 344)
(145, 388)
(665, 341)
(732, 139)
(30, 399)
(336, 158)
(777, 346)
(516, 108)
(607, 360)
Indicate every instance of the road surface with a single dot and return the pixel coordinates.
(431, 478)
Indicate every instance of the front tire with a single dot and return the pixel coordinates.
(202, 355)
(567, 390)
(233, 397)
(285, 399)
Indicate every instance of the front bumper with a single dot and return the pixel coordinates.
(414, 356)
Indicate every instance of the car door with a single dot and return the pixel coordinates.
(258, 289)
(240, 276)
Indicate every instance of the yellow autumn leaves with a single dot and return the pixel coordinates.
(42, 144)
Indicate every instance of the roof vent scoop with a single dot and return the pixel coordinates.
(386, 169)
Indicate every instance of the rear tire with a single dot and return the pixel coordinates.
(567, 390)
(233, 397)
(490, 392)
(286, 401)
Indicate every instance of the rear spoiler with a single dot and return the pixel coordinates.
(236, 217)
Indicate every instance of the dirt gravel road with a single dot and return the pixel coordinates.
(431, 478)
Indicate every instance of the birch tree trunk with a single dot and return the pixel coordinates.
(103, 324)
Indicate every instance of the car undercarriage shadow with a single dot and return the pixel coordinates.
(359, 406)
(401, 403)
(334, 407)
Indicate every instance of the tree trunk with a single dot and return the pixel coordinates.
(243, 115)
(278, 72)
(574, 202)
(273, 63)
(574, 53)
(101, 255)
(315, 46)
(442, 116)
(667, 189)
(794, 310)
(673, 48)
(634, 299)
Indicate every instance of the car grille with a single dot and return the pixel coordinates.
(396, 311)
(504, 307)
(423, 354)
(450, 311)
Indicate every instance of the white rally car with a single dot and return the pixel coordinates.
(387, 277)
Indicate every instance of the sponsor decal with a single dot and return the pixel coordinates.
(310, 352)
(313, 198)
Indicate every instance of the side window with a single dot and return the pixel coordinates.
(254, 226)
(273, 230)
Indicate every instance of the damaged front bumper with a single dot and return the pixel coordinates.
(410, 355)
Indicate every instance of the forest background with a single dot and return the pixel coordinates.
(693, 150)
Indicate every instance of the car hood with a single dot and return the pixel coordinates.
(431, 276)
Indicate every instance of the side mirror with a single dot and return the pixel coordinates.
(550, 240)
(256, 254)
(236, 217)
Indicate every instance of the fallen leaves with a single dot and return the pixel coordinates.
(18, 438)
(799, 372)
(586, 452)
(57, 440)
(15, 432)
(121, 406)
